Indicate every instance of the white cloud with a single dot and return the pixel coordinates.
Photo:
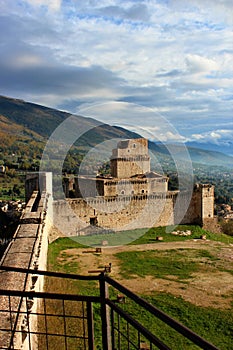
(199, 64)
(216, 10)
(198, 136)
(174, 56)
(214, 135)
(54, 5)
(218, 136)
(169, 136)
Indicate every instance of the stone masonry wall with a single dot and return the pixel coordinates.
(27, 250)
(123, 213)
(129, 212)
(130, 158)
(201, 206)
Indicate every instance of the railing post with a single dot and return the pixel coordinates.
(105, 317)
(90, 326)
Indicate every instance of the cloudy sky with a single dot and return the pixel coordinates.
(173, 58)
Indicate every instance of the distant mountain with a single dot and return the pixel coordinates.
(226, 148)
(210, 157)
(12, 128)
(18, 117)
(37, 118)
(25, 125)
(197, 155)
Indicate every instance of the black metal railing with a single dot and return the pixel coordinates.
(66, 321)
(52, 324)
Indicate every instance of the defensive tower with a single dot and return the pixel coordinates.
(130, 158)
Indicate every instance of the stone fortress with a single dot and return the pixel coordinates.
(130, 174)
(131, 197)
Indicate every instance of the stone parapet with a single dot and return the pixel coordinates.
(27, 250)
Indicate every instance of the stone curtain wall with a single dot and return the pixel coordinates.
(122, 213)
(130, 212)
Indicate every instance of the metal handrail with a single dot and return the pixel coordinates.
(144, 331)
(51, 274)
(45, 295)
(104, 300)
(180, 328)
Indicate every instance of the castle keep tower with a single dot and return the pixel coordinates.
(130, 158)
(130, 174)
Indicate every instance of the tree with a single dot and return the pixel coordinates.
(227, 227)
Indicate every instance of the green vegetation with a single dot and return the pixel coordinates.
(12, 187)
(144, 236)
(227, 227)
(56, 248)
(113, 239)
(160, 264)
(179, 265)
(164, 232)
(212, 324)
(57, 261)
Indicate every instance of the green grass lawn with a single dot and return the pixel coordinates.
(197, 232)
(113, 239)
(214, 324)
(144, 236)
(159, 264)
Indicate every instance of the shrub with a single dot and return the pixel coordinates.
(227, 227)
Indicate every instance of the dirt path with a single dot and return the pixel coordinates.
(205, 288)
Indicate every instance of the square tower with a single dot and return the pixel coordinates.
(130, 158)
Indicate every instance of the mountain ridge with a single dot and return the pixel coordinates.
(31, 121)
(225, 148)
(197, 154)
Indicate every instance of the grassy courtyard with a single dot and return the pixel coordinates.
(188, 278)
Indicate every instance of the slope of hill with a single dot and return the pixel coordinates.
(38, 122)
(23, 122)
(37, 118)
(210, 157)
(224, 147)
(197, 155)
